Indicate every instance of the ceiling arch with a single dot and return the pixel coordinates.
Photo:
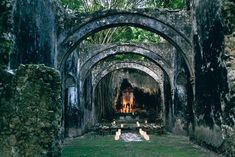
(155, 24)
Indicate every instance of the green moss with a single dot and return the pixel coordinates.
(6, 22)
(229, 146)
(5, 49)
(30, 108)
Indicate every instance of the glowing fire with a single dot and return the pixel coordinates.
(127, 101)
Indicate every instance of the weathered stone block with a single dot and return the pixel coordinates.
(6, 37)
(30, 112)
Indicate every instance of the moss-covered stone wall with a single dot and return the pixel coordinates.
(6, 29)
(35, 33)
(210, 72)
(229, 18)
(229, 128)
(30, 107)
(214, 58)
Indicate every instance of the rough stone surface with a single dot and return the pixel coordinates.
(111, 84)
(211, 84)
(35, 33)
(164, 51)
(72, 109)
(213, 108)
(29, 99)
(162, 54)
(100, 70)
(96, 62)
(228, 13)
(183, 97)
(30, 106)
(229, 16)
(6, 32)
(177, 34)
(92, 78)
(103, 68)
(175, 17)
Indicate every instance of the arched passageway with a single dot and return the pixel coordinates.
(99, 65)
(129, 96)
(198, 80)
(162, 51)
(176, 36)
(94, 76)
(163, 56)
(155, 73)
(127, 49)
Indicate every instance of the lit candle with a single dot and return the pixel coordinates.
(138, 124)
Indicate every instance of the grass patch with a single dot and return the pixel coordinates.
(158, 146)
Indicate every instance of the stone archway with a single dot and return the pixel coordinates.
(158, 60)
(137, 66)
(154, 72)
(156, 23)
(149, 68)
(174, 27)
(147, 63)
(161, 51)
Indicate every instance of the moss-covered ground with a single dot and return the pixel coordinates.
(158, 146)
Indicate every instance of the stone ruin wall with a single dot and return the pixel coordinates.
(30, 107)
(17, 128)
